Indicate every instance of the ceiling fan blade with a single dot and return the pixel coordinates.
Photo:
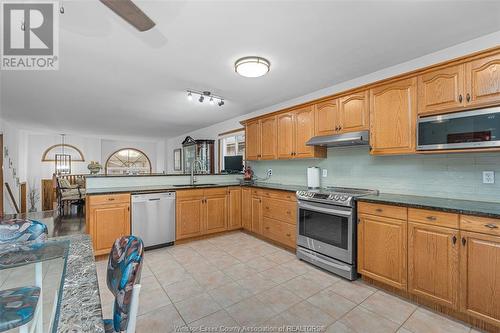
(128, 11)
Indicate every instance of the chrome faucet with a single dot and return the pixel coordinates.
(193, 166)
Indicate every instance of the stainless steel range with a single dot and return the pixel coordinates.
(326, 232)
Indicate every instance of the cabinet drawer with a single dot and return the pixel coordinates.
(215, 191)
(108, 199)
(483, 225)
(394, 212)
(284, 195)
(181, 194)
(278, 231)
(433, 217)
(281, 210)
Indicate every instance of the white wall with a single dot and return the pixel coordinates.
(462, 49)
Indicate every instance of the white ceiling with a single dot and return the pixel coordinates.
(114, 80)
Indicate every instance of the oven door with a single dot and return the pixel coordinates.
(326, 229)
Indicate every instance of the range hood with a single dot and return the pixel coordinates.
(340, 140)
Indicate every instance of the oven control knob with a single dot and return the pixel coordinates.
(344, 198)
(337, 197)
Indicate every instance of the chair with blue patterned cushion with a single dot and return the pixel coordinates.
(123, 279)
(19, 305)
(22, 230)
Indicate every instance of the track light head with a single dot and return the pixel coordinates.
(221, 103)
(201, 99)
(212, 101)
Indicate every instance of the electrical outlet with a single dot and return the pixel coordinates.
(269, 172)
(325, 172)
(488, 177)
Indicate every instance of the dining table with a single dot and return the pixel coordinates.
(64, 268)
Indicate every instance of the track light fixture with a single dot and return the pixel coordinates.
(205, 94)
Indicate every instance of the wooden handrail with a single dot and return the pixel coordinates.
(12, 198)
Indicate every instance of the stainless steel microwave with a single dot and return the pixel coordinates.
(460, 130)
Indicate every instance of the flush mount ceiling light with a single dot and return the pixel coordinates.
(252, 66)
(205, 95)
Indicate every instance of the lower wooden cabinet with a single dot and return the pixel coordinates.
(234, 208)
(279, 231)
(246, 208)
(382, 249)
(433, 263)
(215, 213)
(480, 276)
(108, 218)
(256, 216)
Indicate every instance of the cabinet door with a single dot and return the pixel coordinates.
(215, 214)
(246, 208)
(109, 223)
(480, 276)
(433, 263)
(441, 90)
(285, 135)
(304, 130)
(268, 139)
(353, 112)
(393, 115)
(483, 81)
(326, 118)
(252, 140)
(257, 215)
(234, 208)
(382, 249)
(189, 217)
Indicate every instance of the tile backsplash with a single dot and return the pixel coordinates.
(456, 176)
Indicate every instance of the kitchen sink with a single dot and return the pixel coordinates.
(195, 185)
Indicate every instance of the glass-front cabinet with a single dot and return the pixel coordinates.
(202, 150)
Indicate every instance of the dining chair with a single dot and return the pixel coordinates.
(123, 279)
(20, 305)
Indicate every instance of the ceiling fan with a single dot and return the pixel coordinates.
(128, 11)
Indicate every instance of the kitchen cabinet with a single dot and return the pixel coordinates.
(268, 139)
(353, 113)
(460, 86)
(295, 128)
(382, 248)
(480, 276)
(326, 114)
(252, 140)
(200, 212)
(441, 90)
(256, 216)
(279, 231)
(483, 81)
(108, 218)
(433, 263)
(393, 115)
(234, 208)
(246, 208)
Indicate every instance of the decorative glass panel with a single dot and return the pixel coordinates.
(128, 162)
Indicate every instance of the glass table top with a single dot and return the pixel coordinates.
(40, 265)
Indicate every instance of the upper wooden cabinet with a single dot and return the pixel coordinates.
(441, 90)
(466, 85)
(353, 113)
(295, 128)
(326, 115)
(252, 140)
(480, 276)
(268, 139)
(393, 115)
(483, 81)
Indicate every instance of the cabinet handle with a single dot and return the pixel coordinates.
(464, 241)
(288, 235)
(468, 97)
(431, 218)
(267, 228)
(460, 98)
(288, 212)
(267, 207)
(454, 240)
(491, 226)
(379, 210)
(111, 199)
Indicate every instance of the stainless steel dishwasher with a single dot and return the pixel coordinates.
(153, 218)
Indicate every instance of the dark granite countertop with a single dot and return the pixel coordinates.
(161, 188)
(469, 207)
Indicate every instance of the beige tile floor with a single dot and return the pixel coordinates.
(235, 280)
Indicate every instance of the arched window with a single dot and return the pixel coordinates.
(128, 161)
